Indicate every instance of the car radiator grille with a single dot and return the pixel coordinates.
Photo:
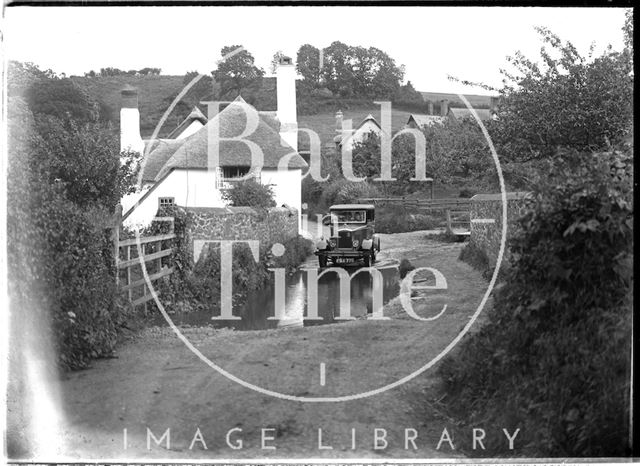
(344, 239)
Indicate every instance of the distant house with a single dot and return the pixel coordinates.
(348, 138)
(177, 170)
(417, 121)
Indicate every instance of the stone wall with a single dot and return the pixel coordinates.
(485, 233)
(238, 223)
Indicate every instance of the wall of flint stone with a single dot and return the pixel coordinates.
(238, 223)
(486, 236)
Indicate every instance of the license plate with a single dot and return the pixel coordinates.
(344, 260)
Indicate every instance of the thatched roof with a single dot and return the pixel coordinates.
(232, 120)
(159, 151)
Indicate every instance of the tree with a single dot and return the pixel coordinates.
(236, 71)
(385, 75)
(21, 75)
(337, 69)
(568, 101)
(406, 96)
(308, 65)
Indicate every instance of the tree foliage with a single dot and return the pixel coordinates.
(236, 71)
(566, 101)
(84, 159)
(554, 356)
(350, 71)
(456, 153)
(308, 65)
(65, 177)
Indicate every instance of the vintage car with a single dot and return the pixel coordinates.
(351, 237)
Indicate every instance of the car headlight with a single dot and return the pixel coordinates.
(333, 243)
(356, 243)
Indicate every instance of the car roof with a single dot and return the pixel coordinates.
(352, 207)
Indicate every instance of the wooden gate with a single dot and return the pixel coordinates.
(136, 255)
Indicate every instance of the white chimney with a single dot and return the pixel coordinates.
(286, 89)
(130, 138)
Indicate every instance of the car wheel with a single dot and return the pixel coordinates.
(367, 260)
(322, 261)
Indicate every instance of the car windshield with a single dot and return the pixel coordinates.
(350, 216)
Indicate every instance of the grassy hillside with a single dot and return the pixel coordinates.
(154, 97)
(477, 101)
(155, 94)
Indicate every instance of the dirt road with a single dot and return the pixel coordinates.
(158, 383)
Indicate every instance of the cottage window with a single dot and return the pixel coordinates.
(231, 173)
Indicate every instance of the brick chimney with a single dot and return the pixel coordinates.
(130, 138)
(444, 107)
(286, 95)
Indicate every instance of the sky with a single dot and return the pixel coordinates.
(470, 43)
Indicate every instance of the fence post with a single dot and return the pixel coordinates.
(130, 291)
(115, 236)
(449, 229)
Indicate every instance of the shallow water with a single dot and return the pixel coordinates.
(260, 304)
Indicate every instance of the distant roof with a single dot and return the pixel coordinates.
(351, 206)
(369, 117)
(232, 120)
(462, 113)
(195, 115)
(425, 120)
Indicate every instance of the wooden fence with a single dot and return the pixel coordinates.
(131, 253)
(457, 211)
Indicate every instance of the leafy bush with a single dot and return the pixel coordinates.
(203, 282)
(64, 180)
(250, 193)
(60, 256)
(554, 356)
